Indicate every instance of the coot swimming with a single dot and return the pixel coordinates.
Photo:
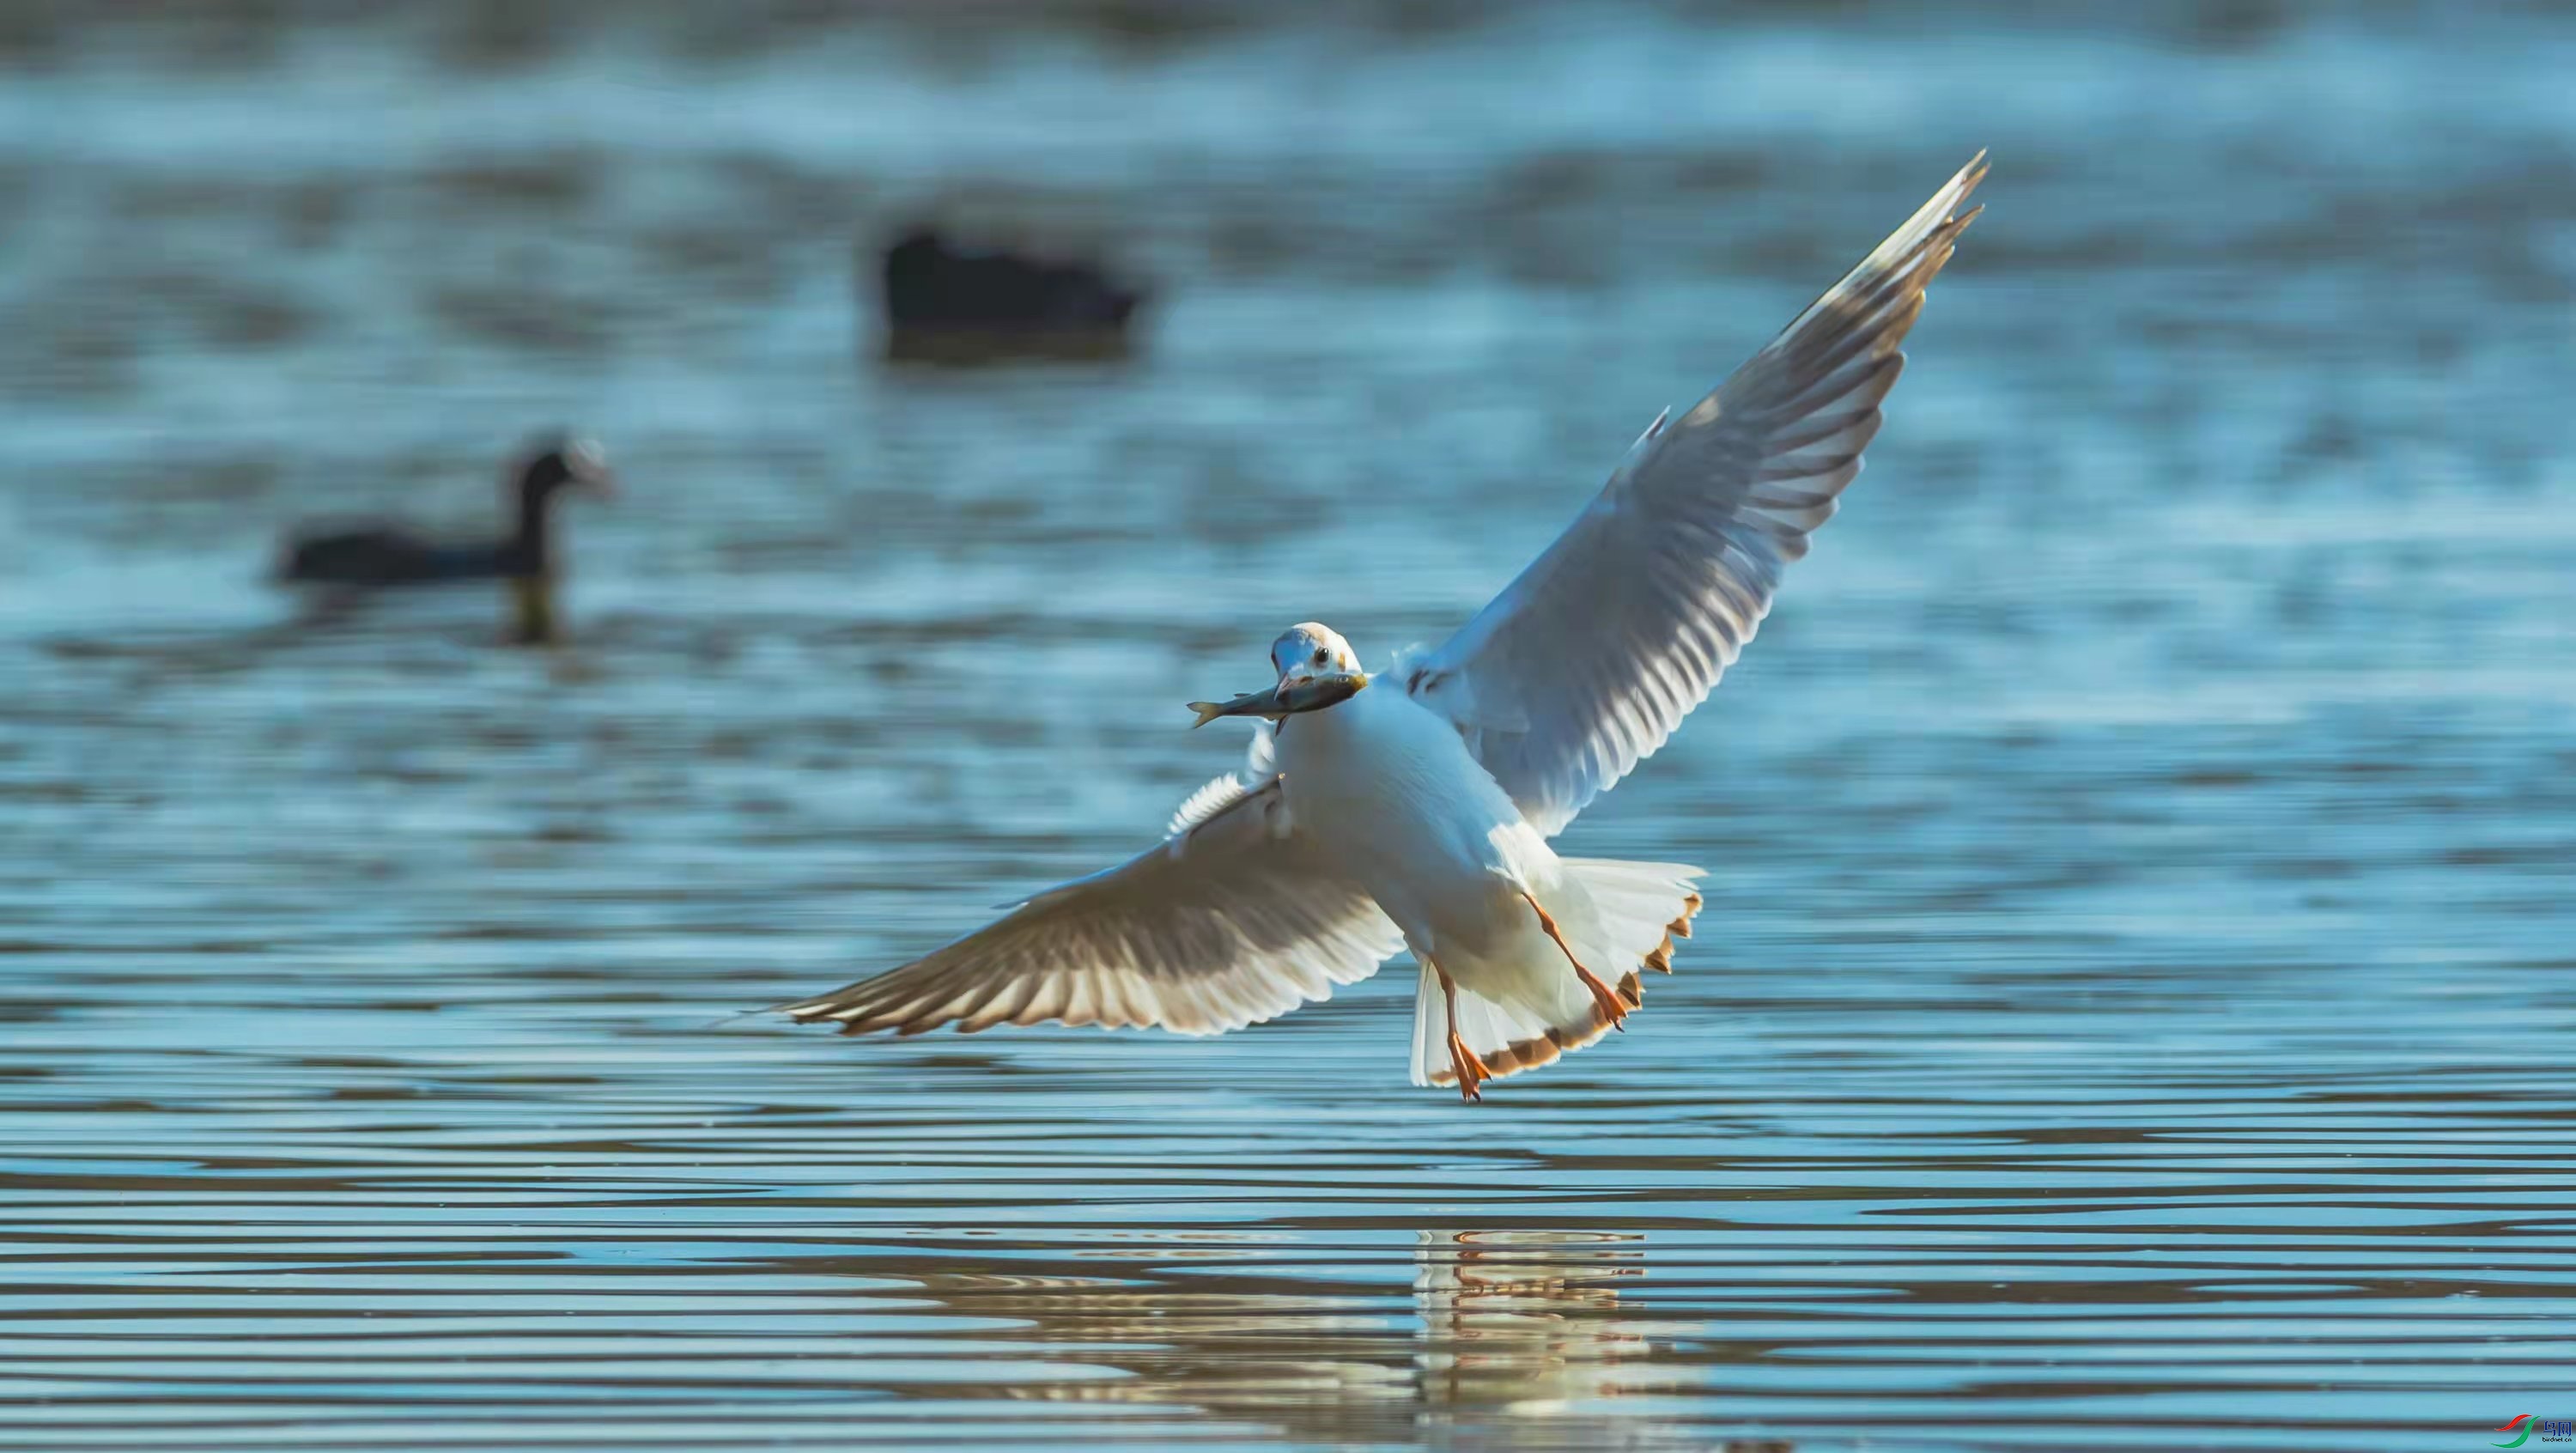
(391, 555)
(951, 303)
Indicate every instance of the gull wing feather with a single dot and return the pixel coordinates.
(1233, 919)
(1588, 661)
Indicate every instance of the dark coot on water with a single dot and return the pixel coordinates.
(388, 556)
(943, 301)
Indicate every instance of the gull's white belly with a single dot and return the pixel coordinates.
(1391, 791)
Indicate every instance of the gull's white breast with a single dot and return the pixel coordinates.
(1391, 791)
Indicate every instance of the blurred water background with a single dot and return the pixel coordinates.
(2134, 1007)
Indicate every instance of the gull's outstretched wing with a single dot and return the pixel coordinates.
(1587, 662)
(1233, 919)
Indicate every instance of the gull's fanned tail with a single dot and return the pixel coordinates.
(1623, 916)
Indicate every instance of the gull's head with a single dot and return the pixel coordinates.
(1317, 669)
(1311, 651)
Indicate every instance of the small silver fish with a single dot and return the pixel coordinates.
(1272, 703)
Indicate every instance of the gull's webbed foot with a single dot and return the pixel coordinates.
(1470, 1070)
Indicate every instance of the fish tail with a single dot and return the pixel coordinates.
(1208, 711)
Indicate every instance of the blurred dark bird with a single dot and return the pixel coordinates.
(946, 302)
(360, 558)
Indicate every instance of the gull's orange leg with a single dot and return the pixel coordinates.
(1470, 1070)
(1612, 1007)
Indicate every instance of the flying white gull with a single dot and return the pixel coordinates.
(1413, 809)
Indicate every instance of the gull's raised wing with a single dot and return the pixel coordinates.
(1233, 919)
(1587, 662)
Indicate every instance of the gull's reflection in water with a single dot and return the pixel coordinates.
(1514, 1339)
(1524, 1320)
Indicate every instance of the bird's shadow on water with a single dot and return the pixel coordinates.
(1512, 1338)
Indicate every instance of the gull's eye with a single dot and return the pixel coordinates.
(1322, 656)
